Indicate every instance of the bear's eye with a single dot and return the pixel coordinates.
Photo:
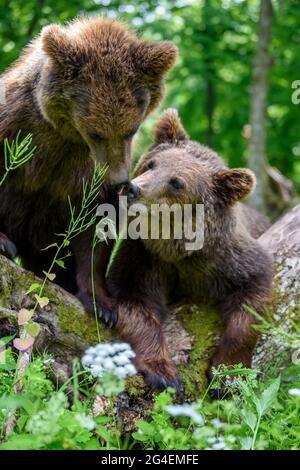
(176, 183)
(96, 137)
(150, 165)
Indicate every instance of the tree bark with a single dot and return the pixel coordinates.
(259, 89)
(192, 332)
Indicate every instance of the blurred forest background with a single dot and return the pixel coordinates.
(232, 84)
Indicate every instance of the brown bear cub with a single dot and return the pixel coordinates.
(82, 90)
(231, 270)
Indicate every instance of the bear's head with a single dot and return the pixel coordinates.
(178, 171)
(98, 82)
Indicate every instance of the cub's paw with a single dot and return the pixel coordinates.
(7, 248)
(159, 382)
(106, 309)
(159, 375)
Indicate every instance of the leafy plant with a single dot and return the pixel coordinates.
(16, 154)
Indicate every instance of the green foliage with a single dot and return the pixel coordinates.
(258, 414)
(16, 154)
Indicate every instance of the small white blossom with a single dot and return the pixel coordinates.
(48, 361)
(295, 392)
(216, 423)
(109, 357)
(85, 421)
(220, 445)
(185, 410)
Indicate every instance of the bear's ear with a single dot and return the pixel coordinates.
(60, 48)
(169, 129)
(234, 185)
(155, 58)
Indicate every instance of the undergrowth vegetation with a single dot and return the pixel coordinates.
(261, 413)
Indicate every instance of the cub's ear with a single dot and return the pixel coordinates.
(61, 48)
(155, 58)
(168, 129)
(234, 185)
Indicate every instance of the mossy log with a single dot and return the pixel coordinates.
(192, 331)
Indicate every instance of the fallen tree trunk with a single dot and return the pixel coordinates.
(67, 330)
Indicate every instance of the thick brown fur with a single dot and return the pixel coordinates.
(82, 90)
(231, 270)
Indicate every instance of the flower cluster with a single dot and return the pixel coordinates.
(114, 358)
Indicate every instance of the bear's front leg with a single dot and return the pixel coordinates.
(140, 326)
(87, 284)
(135, 281)
(7, 247)
(239, 338)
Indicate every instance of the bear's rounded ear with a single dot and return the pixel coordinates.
(168, 128)
(155, 58)
(60, 48)
(234, 185)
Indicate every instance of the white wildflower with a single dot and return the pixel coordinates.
(185, 410)
(295, 392)
(216, 423)
(109, 357)
(85, 421)
(219, 445)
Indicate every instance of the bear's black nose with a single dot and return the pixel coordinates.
(132, 190)
(129, 189)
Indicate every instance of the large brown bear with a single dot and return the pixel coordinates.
(231, 269)
(82, 90)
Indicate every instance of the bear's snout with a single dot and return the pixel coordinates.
(129, 189)
(132, 190)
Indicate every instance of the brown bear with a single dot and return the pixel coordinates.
(230, 270)
(82, 90)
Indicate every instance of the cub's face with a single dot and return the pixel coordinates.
(176, 175)
(179, 171)
(99, 83)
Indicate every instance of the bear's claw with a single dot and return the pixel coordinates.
(159, 382)
(109, 316)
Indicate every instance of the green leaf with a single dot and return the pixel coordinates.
(33, 287)
(21, 442)
(33, 329)
(60, 263)
(54, 245)
(5, 340)
(7, 360)
(250, 419)
(21, 422)
(268, 397)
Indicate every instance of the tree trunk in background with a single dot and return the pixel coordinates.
(209, 74)
(257, 145)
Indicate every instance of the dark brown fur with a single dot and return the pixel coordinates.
(82, 90)
(230, 271)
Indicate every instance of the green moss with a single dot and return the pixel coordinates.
(203, 324)
(72, 320)
(135, 386)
